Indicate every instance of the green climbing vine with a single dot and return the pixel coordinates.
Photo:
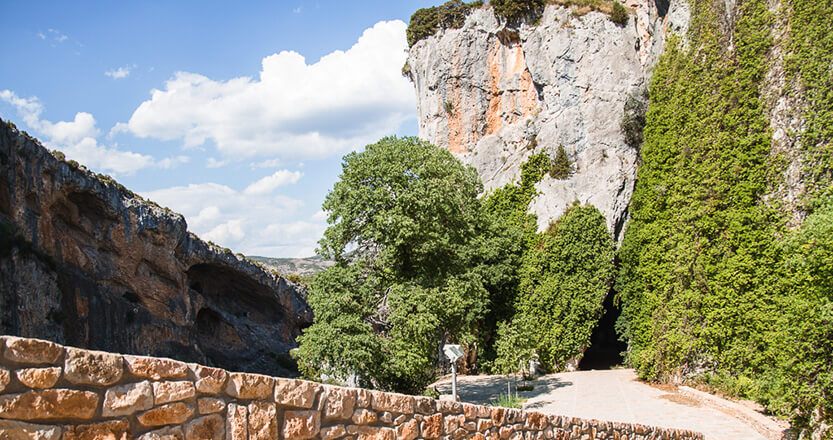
(709, 277)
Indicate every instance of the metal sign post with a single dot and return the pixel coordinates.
(453, 352)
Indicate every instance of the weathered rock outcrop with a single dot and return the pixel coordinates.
(93, 265)
(494, 95)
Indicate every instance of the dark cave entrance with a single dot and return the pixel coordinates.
(605, 349)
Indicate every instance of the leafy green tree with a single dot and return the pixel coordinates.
(428, 21)
(342, 297)
(408, 204)
(510, 204)
(423, 255)
(561, 167)
(514, 10)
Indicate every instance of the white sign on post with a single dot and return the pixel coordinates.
(453, 352)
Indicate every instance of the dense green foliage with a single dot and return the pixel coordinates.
(427, 258)
(515, 345)
(697, 257)
(563, 282)
(428, 21)
(510, 204)
(564, 275)
(810, 56)
(801, 379)
(712, 285)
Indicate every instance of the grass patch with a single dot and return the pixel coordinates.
(508, 401)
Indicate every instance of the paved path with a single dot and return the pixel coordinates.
(613, 395)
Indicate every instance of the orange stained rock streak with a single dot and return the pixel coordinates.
(454, 115)
(513, 96)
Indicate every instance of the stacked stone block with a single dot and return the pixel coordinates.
(50, 392)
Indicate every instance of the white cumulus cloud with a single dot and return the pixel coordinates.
(77, 139)
(253, 222)
(293, 109)
(269, 183)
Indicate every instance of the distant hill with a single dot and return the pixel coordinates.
(299, 266)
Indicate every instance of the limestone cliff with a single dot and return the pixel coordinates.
(494, 95)
(85, 262)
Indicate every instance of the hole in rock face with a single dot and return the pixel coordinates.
(5, 198)
(208, 321)
(605, 349)
(662, 7)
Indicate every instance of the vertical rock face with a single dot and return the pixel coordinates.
(494, 95)
(95, 266)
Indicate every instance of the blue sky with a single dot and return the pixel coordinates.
(235, 114)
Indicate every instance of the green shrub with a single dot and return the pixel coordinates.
(560, 167)
(508, 401)
(633, 118)
(618, 14)
(515, 346)
(516, 10)
(431, 392)
(426, 22)
(801, 381)
(448, 106)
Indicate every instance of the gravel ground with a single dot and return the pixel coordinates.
(613, 395)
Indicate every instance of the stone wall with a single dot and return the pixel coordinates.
(51, 392)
